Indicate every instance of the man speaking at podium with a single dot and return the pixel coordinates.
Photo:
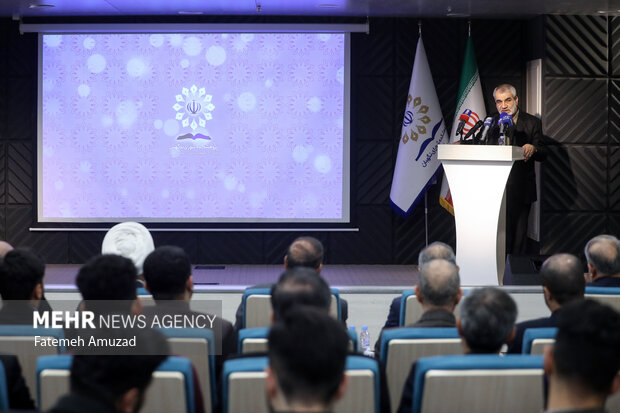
(524, 130)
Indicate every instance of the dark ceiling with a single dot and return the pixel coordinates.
(372, 8)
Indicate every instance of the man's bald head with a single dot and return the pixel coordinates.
(439, 284)
(4, 248)
(436, 250)
(304, 252)
(562, 275)
(603, 253)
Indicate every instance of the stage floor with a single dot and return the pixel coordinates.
(354, 278)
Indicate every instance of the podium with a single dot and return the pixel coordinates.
(477, 175)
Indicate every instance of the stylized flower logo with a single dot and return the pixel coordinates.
(193, 105)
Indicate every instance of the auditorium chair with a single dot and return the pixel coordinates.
(170, 390)
(481, 383)
(400, 347)
(257, 306)
(243, 386)
(197, 345)
(535, 339)
(254, 340)
(605, 295)
(19, 340)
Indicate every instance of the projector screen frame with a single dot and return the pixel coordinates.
(208, 224)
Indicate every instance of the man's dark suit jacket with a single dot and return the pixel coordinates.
(393, 318)
(606, 282)
(522, 179)
(73, 403)
(516, 345)
(344, 308)
(19, 396)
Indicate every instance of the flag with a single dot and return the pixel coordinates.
(423, 129)
(469, 97)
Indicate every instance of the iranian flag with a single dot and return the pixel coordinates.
(470, 97)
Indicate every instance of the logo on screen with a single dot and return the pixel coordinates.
(194, 107)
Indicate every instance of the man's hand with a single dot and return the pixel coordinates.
(528, 151)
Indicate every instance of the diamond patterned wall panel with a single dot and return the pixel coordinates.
(21, 108)
(614, 178)
(409, 237)
(573, 180)
(576, 110)
(614, 224)
(230, 248)
(52, 246)
(22, 53)
(614, 28)
(3, 223)
(186, 240)
(373, 109)
(373, 54)
(2, 173)
(84, 245)
(614, 111)
(447, 91)
(276, 244)
(576, 45)
(374, 170)
(442, 51)
(371, 245)
(19, 173)
(498, 46)
(569, 232)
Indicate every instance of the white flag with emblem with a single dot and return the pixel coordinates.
(423, 129)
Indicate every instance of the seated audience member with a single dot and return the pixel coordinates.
(438, 291)
(583, 364)
(21, 286)
(299, 286)
(113, 383)
(130, 240)
(108, 284)
(562, 280)
(435, 250)
(303, 252)
(19, 395)
(168, 276)
(4, 248)
(603, 256)
(307, 355)
(486, 322)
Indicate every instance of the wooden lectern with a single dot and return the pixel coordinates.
(477, 175)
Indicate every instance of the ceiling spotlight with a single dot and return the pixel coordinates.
(328, 6)
(192, 13)
(39, 5)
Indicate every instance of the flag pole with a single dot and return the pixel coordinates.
(426, 192)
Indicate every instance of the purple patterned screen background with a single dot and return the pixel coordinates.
(214, 127)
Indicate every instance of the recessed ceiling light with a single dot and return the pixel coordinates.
(328, 6)
(38, 6)
(191, 12)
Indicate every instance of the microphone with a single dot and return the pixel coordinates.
(473, 130)
(504, 121)
(462, 121)
(488, 122)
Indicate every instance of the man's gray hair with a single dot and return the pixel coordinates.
(436, 250)
(439, 282)
(505, 87)
(487, 317)
(603, 253)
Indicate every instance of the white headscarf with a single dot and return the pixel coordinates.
(131, 240)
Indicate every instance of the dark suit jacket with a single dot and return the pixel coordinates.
(516, 345)
(393, 318)
(344, 308)
(19, 396)
(432, 318)
(522, 180)
(606, 282)
(73, 403)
